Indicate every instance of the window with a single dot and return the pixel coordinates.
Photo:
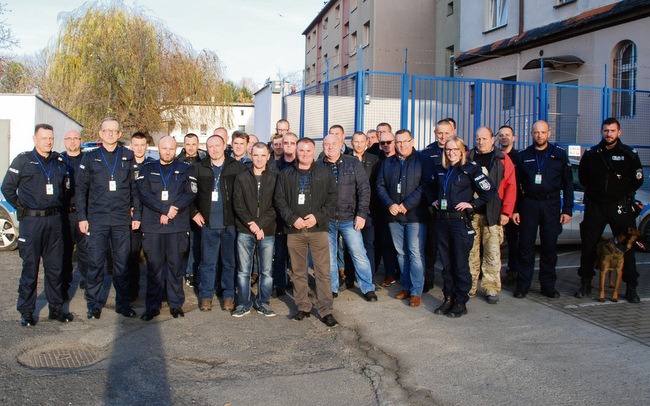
(241, 112)
(335, 90)
(353, 43)
(449, 53)
(204, 129)
(337, 14)
(508, 93)
(346, 29)
(625, 78)
(497, 13)
(366, 34)
(559, 3)
(336, 55)
(450, 8)
(308, 43)
(242, 128)
(353, 5)
(326, 64)
(325, 27)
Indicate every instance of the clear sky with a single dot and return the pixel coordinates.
(253, 38)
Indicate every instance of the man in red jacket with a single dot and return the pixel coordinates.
(489, 219)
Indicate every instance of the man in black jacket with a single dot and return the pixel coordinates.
(351, 214)
(255, 220)
(193, 156)
(305, 197)
(611, 173)
(212, 210)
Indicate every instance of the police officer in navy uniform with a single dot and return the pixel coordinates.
(456, 182)
(108, 209)
(139, 147)
(543, 171)
(611, 173)
(35, 186)
(166, 188)
(72, 236)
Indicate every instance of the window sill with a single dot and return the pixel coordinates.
(564, 4)
(495, 28)
(355, 7)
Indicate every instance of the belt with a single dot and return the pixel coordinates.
(450, 215)
(42, 213)
(542, 196)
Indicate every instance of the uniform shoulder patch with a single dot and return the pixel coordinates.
(14, 170)
(639, 173)
(194, 187)
(485, 184)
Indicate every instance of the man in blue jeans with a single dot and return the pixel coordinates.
(212, 210)
(255, 220)
(350, 216)
(401, 185)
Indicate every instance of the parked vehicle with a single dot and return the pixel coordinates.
(8, 226)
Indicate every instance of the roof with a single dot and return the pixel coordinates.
(596, 19)
(319, 16)
(39, 97)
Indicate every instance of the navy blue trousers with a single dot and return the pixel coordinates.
(165, 253)
(119, 238)
(455, 240)
(545, 215)
(40, 237)
(73, 236)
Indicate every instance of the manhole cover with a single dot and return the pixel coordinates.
(60, 358)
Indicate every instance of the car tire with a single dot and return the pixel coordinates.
(8, 233)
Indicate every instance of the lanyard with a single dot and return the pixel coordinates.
(117, 155)
(48, 172)
(168, 175)
(217, 176)
(303, 182)
(335, 173)
(401, 169)
(539, 166)
(450, 171)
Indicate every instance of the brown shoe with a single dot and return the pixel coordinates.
(388, 281)
(228, 305)
(404, 294)
(415, 301)
(206, 305)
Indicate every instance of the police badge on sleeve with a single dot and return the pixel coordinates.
(194, 187)
(484, 184)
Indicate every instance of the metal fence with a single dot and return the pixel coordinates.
(361, 100)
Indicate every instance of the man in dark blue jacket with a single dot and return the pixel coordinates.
(350, 216)
(108, 209)
(35, 186)
(401, 185)
(543, 171)
(166, 188)
(72, 236)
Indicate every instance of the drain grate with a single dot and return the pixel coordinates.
(60, 358)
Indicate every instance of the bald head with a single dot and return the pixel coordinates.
(332, 147)
(167, 150)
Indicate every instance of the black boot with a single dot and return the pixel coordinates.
(445, 306)
(584, 289)
(630, 294)
(457, 311)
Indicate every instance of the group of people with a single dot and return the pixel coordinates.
(251, 212)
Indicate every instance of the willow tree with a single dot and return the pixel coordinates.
(113, 60)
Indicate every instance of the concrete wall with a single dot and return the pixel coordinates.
(447, 34)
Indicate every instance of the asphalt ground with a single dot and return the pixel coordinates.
(533, 350)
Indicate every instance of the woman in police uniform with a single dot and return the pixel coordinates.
(460, 188)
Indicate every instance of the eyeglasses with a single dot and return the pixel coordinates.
(452, 149)
(72, 138)
(382, 143)
(403, 142)
(111, 131)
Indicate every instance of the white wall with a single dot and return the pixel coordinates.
(27, 110)
(268, 110)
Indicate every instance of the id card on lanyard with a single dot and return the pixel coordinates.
(217, 177)
(303, 183)
(112, 184)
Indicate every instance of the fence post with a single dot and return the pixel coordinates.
(404, 111)
(478, 95)
(302, 114)
(359, 97)
(326, 96)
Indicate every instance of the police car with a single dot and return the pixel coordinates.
(8, 225)
(571, 232)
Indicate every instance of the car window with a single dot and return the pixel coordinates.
(577, 187)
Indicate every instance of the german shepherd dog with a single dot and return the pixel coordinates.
(609, 258)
